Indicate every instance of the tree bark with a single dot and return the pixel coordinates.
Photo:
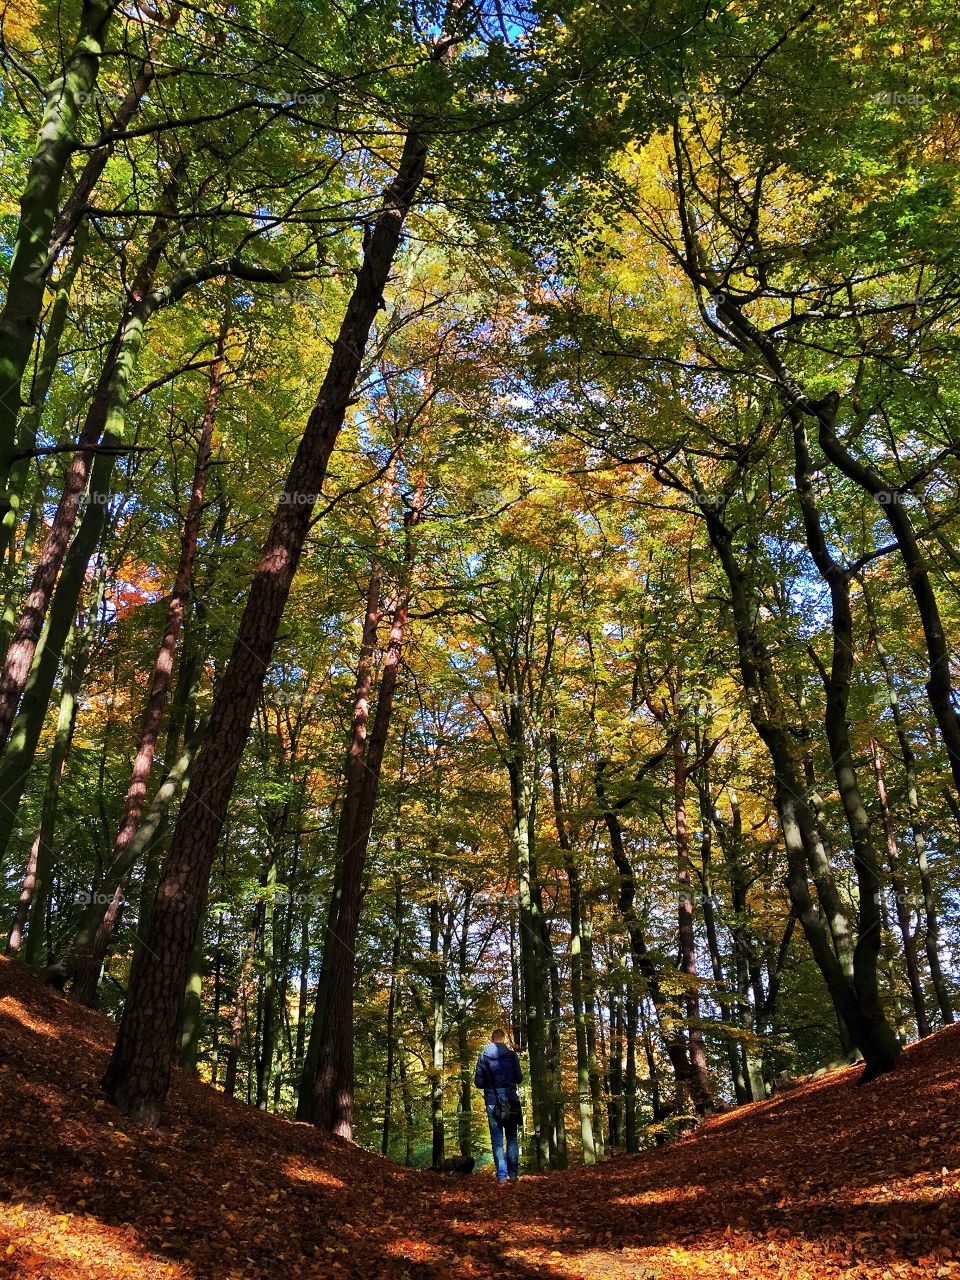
(901, 899)
(464, 1117)
(918, 829)
(82, 965)
(699, 1068)
(333, 1091)
(29, 424)
(615, 1070)
(866, 953)
(391, 1016)
(63, 98)
(33, 895)
(105, 419)
(354, 773)
(864, 1018)
(666, 1018)
(137, 1077)
(575, 897)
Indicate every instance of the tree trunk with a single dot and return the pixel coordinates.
(303, 994)
(268, 986)
(699, 1068)
(438, 991)
(908, 759)
(138, 1076)
(575, 896)
(333, 1092)
(354, 773)
(886, 1047)
(741, 1086)
(407, 1106)
(868, 1027)
(391, 1016)
(192, 1015)
(516, 996)
(239, 1017)
(20, 750)
(80, 962)
(672, 1034)
(533, 960)
(69, 220)
(631, 1140)
(29, 424)
(615, 1072)
(590, 1022)
(63, 98)
(558, 1123)
(901, 899)
(311, 1060)
(105, 421)
(939, 687)
(824, 412)
(464, 1133)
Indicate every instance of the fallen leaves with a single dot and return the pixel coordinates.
(825, 1182)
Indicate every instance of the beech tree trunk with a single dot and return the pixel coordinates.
(33, 894)
(392, 1016)
(354, 772)
(580, 1015)
(630, 1009)
(901, 898)
(63, 99)
(558, 1125)
(105, 419)
(869, 1029)
(940, 689)
(918, 829)
(29, 424)
(889, 498)
(741, 1086)
(464, 1116)
(615, 1071)
(670, 1029)
(869, 925)
(699, 1067)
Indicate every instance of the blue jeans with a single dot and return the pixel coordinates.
(503, 1140)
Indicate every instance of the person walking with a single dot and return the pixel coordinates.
(498, 1073)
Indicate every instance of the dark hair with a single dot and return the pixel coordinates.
(498, 1034)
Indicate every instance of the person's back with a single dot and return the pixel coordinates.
(498, 1073)
(498, 1068)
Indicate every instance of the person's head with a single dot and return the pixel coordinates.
(498, 1036)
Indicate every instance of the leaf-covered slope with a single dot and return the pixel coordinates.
(827, 1180)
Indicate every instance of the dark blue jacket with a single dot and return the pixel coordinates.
(498, 1070)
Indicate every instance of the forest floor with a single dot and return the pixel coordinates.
(827, 1180)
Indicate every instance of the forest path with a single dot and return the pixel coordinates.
(828, 1180)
